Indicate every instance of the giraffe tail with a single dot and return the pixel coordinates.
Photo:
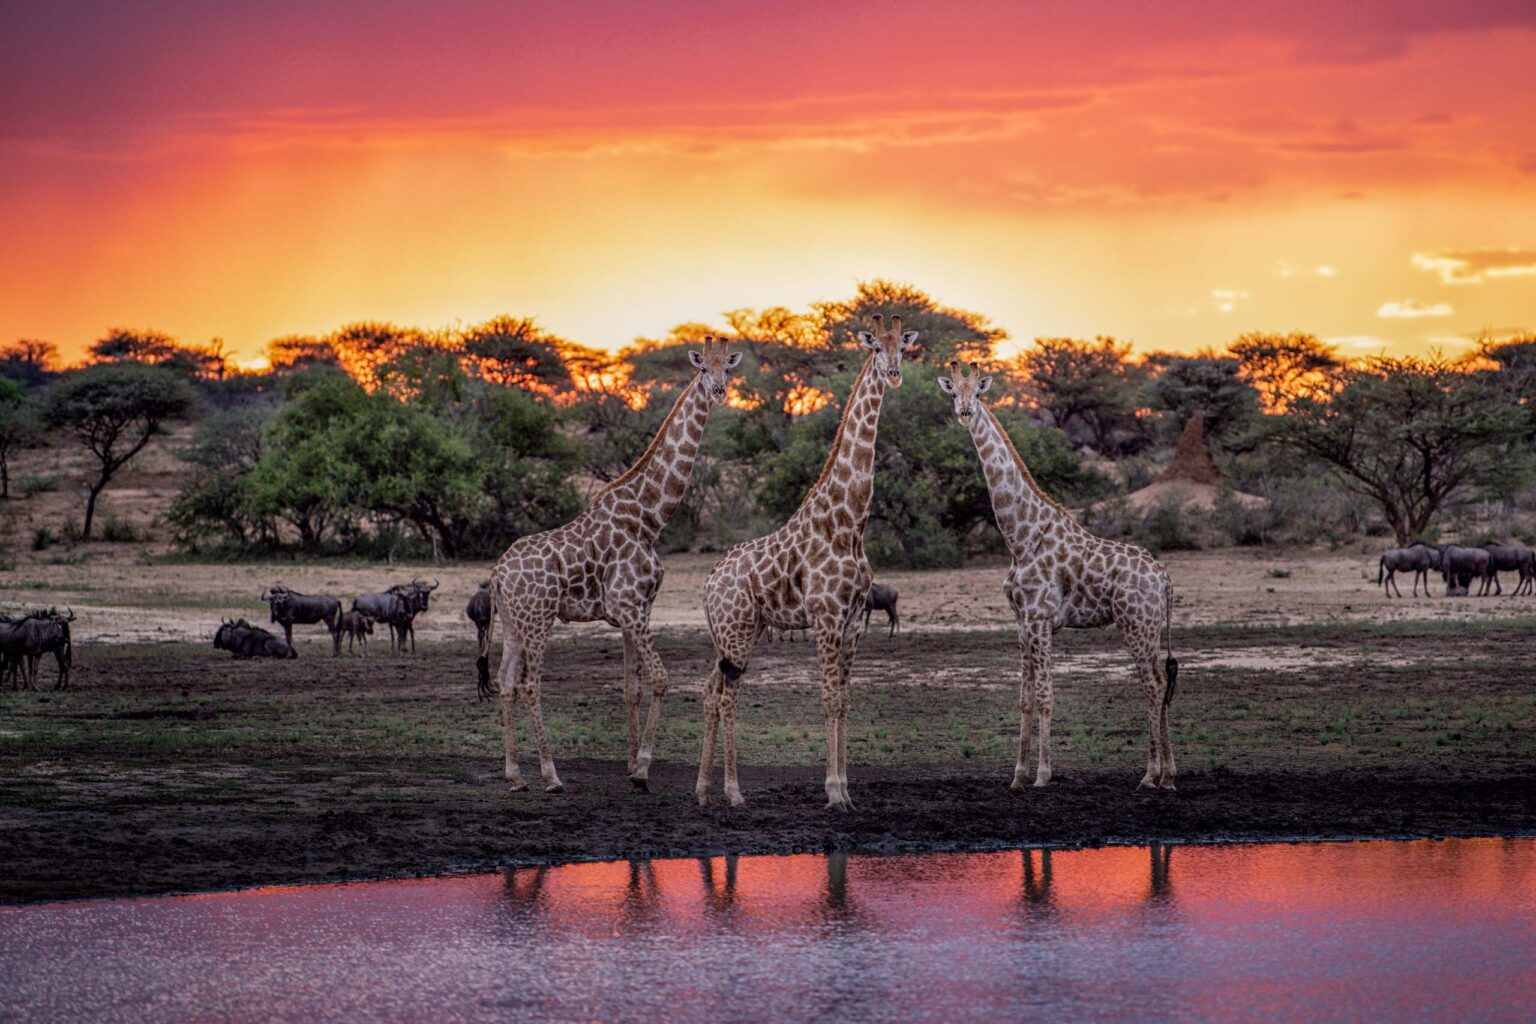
(1171, 665)
(483, 662)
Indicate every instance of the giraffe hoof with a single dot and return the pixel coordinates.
(840, 805)
(1147, 783)
(555, 787)
(1167, 786)
(518, 787)
(737, 800)
(703, 799)
(639, 785)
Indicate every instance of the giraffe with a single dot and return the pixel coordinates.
(1062, 575)
(601, 565)
(810, 573)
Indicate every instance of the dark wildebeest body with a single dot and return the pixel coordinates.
(23, 642)
(1508, 558)
(244, 640)
(290, 608)
(397, 608)
(1417, 558)
(357, 627)
(882, 598)
(478, 611)
(1459, 566)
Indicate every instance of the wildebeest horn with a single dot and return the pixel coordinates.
(69, 614)
(266, 594)
(434, 585)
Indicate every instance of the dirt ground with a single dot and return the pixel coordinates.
(172, 768)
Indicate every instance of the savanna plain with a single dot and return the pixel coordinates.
(1308, 705)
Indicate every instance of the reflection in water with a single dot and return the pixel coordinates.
(1349, 930)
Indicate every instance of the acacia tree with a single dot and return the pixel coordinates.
(1406, 433)
(1088, 384)
(114, 409)
(1282, 367)
(18, 428)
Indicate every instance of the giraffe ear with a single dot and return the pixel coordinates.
(908, 339)
(733, 360)
(946, 385)
(868, 341)
(986, 382)
(696, 359)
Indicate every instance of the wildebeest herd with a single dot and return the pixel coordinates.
(24, 641)
(1459, 567)
(396, 607)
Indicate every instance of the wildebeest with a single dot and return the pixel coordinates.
(478, 611)
(24, 641)
(1459, 566)
(882, 598)
(357, 627)
(397, 608)
(244, 640)
(1509, 558)
(1418, 557)
(290, 608)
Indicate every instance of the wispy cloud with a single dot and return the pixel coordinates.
(1473, 266)
(1413, 309)
(1289, 270)
(1226, 299)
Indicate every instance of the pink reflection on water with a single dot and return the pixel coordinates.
(1382, 930)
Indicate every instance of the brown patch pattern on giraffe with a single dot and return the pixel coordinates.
(601, 566)
(810, 573)
(1064, 576)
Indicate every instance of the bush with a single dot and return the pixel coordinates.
(118, 531)
(1168, 527)
(33, 484)
(43, 538)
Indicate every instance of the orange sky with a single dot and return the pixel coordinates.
(1171, 173)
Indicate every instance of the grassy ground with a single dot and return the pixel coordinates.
(170, 767)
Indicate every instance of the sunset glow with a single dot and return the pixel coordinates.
(1173, 174)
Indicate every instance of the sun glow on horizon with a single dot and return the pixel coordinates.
(1063, 170)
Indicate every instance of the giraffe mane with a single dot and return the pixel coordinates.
(837, 441)
(656, 439)
(1023, 467)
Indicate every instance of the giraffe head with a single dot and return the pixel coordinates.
(888, 343)
(967, 385)
(713, 363)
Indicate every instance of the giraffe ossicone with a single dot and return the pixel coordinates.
(810, 573)
(601, 566)
(1064, 576)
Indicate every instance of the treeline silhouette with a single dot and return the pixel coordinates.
(381, 440)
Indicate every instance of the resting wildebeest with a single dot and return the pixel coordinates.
(1459, 566)
(244, 640)
(1508, 558)
(882, 598)
(397, 608)
(1417, 557)
(290, 608)
(24, 641)
(478, 611)
(358, 627)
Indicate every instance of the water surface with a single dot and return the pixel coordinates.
(1356, 931)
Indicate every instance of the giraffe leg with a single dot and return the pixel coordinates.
(845, 672)
(828, 650)
(656, 672)
(713, 690)
(1026, 710)
(632, 701)
(1040, 680)
(511, 658)
(532, 675)
(1152, 690)
(728, 722)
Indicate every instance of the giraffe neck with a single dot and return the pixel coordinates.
(1023, 511)
(847, 479)
(659, 478)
